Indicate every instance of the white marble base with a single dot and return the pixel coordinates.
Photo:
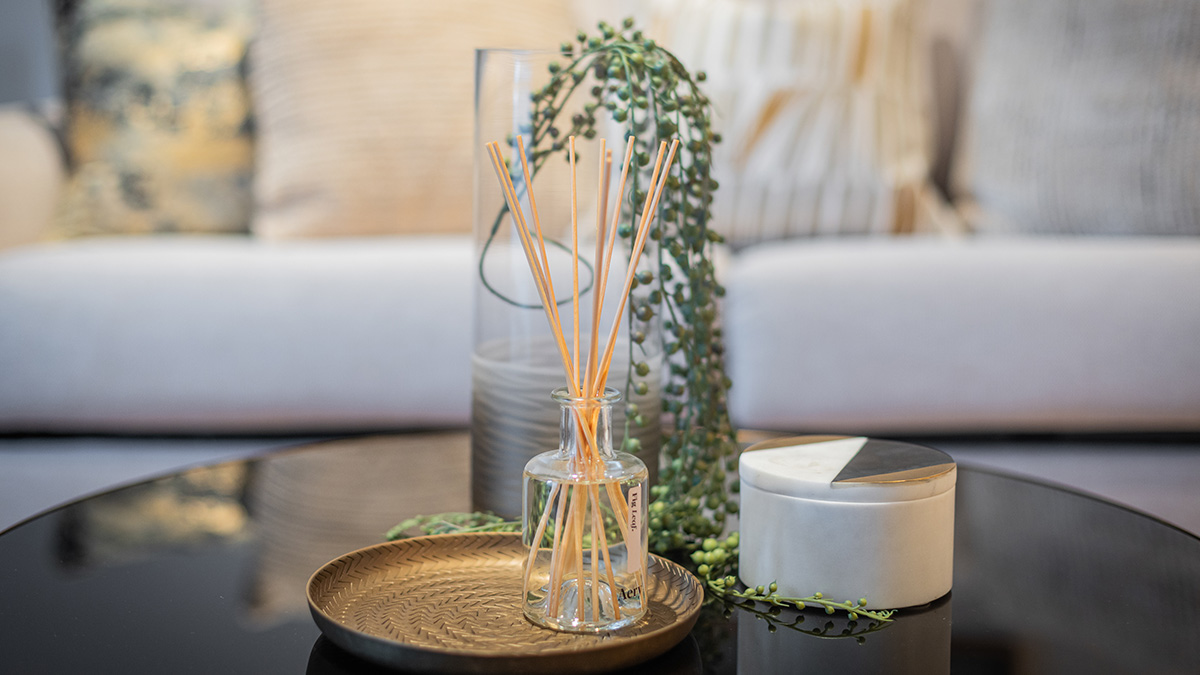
(895, 554)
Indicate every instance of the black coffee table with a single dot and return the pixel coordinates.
(204, 571)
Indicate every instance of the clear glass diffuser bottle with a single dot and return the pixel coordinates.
(585, 525)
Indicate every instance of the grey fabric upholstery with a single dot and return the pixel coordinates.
(192, 334)
(973, 335)
(1084, 118)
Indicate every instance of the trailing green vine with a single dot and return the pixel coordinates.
(775, 619)
(452, 523)
(628, 78)
(716, 565)
(645, 88)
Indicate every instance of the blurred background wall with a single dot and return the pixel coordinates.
(28, 59)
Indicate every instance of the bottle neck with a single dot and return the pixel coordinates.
(584, 428)
(586, 424)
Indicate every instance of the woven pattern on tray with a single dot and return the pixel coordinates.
(460, 596)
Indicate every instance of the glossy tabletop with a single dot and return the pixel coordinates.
(204, 572)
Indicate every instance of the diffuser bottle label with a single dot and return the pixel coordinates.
(633, 543)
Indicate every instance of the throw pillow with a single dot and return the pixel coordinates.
(31, 175)
(824, 111)
(366, 114)
(1084, 118)
(158, 120)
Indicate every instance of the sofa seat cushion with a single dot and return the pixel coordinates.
(227, 334)
(990, 334)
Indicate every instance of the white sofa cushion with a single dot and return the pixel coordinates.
(227, 334)
(934, 335)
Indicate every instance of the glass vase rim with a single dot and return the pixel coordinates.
(564, 397)
(520, 51)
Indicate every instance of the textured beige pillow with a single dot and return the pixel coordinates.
(1084, 118)
(365, 109)
(824, 110)
(31, 176)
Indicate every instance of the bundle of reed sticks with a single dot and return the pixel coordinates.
(585, 377)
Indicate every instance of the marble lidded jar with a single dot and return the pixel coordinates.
(849, 517)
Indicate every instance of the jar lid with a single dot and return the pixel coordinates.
(847, 469)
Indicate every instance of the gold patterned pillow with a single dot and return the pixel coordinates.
(159, 127)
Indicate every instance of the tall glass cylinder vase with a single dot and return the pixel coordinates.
(516, 360)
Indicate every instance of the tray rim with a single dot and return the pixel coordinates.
(605, 641)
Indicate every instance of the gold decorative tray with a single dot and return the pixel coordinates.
(453, 602)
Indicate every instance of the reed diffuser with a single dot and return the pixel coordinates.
(584, 521)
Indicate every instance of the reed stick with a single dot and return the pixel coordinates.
(541, 277)
(537, 221)
(597, 297)
(556, 552)
(574, 264)
(577, 512)
(595, 565)
(612, 582)
(536, 543)
(629, 145)
(639, 244)
(541, 243)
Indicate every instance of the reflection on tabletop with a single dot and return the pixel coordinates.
(329, 659)
(1045, 581)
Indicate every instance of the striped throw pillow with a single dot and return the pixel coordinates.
(823, 108)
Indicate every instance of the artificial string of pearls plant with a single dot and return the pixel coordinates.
(645, 88)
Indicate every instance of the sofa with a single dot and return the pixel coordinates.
(996, 308)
